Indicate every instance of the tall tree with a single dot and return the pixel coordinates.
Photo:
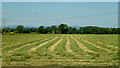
(40, 30)
(20, 29)
(53, 29)
(63, 28)
(47, 30)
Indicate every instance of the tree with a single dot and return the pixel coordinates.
(27, 30)
(71, 30)
(118, 30)
(114, 30)
(32, 29)
(47, 30)
(53, 29)
(40, 30)
(86, 30)
(20, 29)
(5, 30)
(63, 28)
(78, 32)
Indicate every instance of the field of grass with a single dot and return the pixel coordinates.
(60, 49)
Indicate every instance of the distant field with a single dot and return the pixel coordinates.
(60, 49)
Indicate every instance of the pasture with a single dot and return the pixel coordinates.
(60, 49)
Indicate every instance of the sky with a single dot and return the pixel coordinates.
(60, 0)
(103, 14)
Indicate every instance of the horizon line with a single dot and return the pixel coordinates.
(59, 24)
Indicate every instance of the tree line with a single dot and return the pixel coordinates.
(62, 29)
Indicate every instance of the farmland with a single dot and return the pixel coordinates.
(60, 49)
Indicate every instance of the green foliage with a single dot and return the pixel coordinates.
(40, 30)
(63, 29)
(20, 29)
(26, 30)
(54, 29)
(47, 30)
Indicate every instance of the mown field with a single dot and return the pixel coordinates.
(60, 49)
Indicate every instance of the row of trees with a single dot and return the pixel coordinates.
(63, 29)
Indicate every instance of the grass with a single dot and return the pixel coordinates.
(110, 39)
(103, 38)
(36, 44)
(24, 39)
(61, 46)
(74, 46)
(89, 46)
(59, 57)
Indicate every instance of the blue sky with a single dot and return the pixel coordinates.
(104, 14)
(60, 0)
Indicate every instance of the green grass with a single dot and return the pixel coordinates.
(20, 38)
(36, 44)
(42, 56)
(89, 46)
(102, 38)
(61, 46)
(48, 44)
(75, 46)
(111, 39)
(26, 39)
